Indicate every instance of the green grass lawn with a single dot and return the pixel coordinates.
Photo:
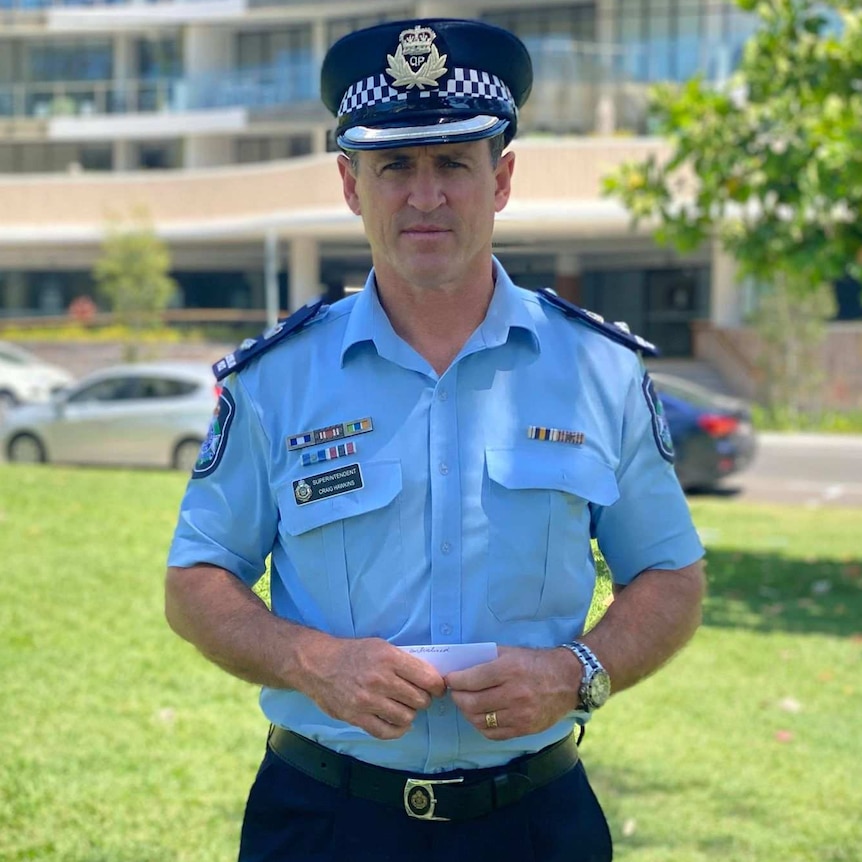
(119, 744)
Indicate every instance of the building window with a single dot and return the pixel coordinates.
(272, 47)
(575, 21)
(339, 27)
(73, 61)
(159, 155)
(95, 157)
(159, 58)
(672, 40)
(250, 150)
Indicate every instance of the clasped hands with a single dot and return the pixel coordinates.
(374, 685)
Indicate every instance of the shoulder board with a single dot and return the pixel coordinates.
(252, 347)
(618, 332)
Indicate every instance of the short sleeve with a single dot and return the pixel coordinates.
(649, 526)
(228, 516)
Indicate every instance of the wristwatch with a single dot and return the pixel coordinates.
(595, 688)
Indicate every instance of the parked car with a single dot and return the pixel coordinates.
(712, 434)
(133, 415)
(25, 378)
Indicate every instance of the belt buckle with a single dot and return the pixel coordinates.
(419, 799)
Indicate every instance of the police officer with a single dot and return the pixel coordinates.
(425, 463)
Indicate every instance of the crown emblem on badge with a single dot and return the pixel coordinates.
(417, 41)
(416, 62)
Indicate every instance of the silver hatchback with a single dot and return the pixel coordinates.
(154, 415)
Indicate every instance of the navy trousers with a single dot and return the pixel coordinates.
(290, 817)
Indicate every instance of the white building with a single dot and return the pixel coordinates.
(206, 113)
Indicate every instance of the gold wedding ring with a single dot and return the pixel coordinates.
(490, 720)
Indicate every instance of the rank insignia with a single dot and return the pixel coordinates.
(555, 435)
(329, 433)
(328, 453)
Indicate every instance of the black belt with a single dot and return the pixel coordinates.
(457, 796)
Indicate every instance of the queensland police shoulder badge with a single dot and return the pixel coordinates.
(660, 427)
(213, 447)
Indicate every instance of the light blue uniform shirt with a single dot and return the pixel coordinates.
(464, 530)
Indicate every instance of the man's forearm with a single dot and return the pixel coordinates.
(649, 621)
(233, 628)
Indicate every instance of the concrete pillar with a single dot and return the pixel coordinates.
(568, 277)
(606, 109)
(304, 272)
(318, 139)
(270, 277)
(724, 297)
(207, 53)
(207, 152)
(124, 156)
(125, 95)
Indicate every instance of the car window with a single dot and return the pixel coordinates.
(693, 396)
(113, 389)
(165, 387)
(13, 358)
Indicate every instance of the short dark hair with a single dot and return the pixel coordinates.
(496, 145)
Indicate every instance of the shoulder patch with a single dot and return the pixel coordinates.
(618, 332)
(213, 447)
(252, 347)
(660, 426)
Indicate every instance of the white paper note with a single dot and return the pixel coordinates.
(449, 657)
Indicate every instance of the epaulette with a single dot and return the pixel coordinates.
(618, 332)
(252, 347)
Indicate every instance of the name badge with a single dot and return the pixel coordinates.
(329, 484)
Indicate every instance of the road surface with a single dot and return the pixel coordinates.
(803, 469)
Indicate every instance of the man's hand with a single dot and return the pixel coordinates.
(371, 684)
(529, 690)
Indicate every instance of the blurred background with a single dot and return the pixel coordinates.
(168, 188)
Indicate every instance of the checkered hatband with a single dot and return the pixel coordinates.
(375, 90)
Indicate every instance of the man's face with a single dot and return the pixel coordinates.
(428, 211)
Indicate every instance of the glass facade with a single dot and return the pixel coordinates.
(672, 40)
(68, 61)
(266, 149)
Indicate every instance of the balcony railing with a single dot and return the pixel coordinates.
(262, 88)
(579, 87)
(36, 5)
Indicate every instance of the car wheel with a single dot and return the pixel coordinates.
(26, 449)
(186, 454)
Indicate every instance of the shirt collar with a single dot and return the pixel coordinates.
(368, 321)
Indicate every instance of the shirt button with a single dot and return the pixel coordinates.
(443, 395)
(444, 468)
(442, 709)
(445, 629)
(445, 547)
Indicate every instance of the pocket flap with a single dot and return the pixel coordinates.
(559, 467)
(381, 484)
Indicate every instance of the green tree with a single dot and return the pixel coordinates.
(771, 164)
(132, 273)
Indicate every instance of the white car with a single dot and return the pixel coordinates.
(25, 378)
(154, 415)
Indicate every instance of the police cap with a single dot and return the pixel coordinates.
(426, 81)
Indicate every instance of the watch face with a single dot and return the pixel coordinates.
(599, 689)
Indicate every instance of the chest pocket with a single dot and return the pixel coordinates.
(536, 499)
(347, 552)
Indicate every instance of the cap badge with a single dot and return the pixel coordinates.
(417, 62)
